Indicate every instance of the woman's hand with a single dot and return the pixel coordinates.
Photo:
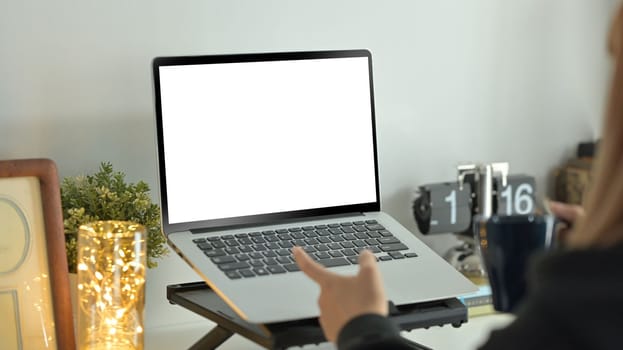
(570, 213)
(343, 298)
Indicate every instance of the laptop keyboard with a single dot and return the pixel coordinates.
(246, 255)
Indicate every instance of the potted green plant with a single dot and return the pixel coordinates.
(106, 196)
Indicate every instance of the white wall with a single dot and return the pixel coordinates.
(482, 80)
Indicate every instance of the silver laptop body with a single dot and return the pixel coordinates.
(264, 151)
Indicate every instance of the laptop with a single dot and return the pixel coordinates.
(261, 152)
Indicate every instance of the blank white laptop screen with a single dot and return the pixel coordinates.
(266, 137)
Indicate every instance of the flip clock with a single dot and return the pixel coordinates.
(480, 190)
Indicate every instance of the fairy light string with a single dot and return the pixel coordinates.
(111, 282)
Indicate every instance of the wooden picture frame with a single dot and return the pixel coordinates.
(34, 279)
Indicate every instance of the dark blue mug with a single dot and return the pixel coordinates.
(506, 244)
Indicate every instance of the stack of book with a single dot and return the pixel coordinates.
(480, 302)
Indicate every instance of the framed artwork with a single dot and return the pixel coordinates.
(35, 303)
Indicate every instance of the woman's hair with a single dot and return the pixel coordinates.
(603, 222)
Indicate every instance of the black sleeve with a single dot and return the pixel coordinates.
(575, 301)
(372, 331)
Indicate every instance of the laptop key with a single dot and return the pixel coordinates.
(321, 247)
(272, 246)
(275, 269)
(258, 247)
(311, 234)
(246, 273)
(272, 238)
(396, 255)
(374, 249)
(360, 229)
(283, 252)
(334, 246)
(270, 261)
(223, 259)
(311, 241)
(299, 242)
(245, 249)
(245, 240)
(393, 247)
(323, 240)
(323, 255)
(232, 250)
(284, 236)
(336, 253)
(385, 258)
(199, 240)
(214, 252)
(410, 255)
(372, 241)
(242, 257)
(232, 275)
(347, 244)
(283, 260)
(349, 237)
(388, 240)
(385, 233)
(234, 266)
(256, 263)
(218, 244)
(256, 255)
(333, 262)
(349, 252)
(204, 246)
(323, 232)
(285, 244)
(297, 235)
(258, 240)
(232, 243)
(362, 235)
(353, 259)
(348, 230)
(269, 253)
(260, 271)
(360, 243)
(375, 234)
(291, 267)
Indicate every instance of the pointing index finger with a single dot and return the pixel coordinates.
(312, 269)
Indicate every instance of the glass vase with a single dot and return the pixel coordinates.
(111, 285)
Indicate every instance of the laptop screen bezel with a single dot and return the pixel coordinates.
(268, 218)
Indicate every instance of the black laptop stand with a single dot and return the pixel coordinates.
(200, 299)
